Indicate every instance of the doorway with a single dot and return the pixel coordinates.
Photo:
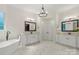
(47, 31)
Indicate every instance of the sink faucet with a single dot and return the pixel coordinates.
(7, 35)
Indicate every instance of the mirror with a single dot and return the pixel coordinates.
(70, 26)
(30, 26)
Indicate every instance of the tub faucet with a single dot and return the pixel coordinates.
(7, 35)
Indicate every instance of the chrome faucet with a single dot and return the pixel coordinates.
(7, 35)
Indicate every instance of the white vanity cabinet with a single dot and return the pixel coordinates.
(67, 40)
(28, 38)
(77, 42)
(32, 39)
(70, 40)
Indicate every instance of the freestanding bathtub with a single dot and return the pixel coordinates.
(7, 47)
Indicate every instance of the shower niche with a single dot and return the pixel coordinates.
(30, 26)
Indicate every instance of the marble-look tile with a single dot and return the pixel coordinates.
(45, 48)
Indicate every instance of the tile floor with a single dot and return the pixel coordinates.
(45, 48)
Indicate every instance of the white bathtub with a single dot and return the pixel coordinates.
(7, 47)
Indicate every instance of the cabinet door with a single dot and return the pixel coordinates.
(60, 39)
(33, 39)
(67, 40)
(70, 40)
(77, 42)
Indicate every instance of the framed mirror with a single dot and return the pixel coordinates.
(70, 26)
(30, 26)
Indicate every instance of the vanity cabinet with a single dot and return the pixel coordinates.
(77, 42)
(67, 40)
(31, 39)
(27, 39)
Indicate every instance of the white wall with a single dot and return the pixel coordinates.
(2, 32)
(63, 37)
(48, 29)
(18, 16)
(63, 14)
(14, 22)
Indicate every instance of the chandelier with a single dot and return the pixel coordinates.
(43, 12)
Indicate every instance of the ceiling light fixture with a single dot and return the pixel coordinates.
(43, 12)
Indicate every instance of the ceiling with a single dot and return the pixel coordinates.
(52, 9)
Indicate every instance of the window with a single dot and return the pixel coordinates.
(1, 20)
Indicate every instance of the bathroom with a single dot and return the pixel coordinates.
(45, 35)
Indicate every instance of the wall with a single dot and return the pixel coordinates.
(15, 24)
(3, 32)
(48, 29)
(14, 21)
(62, 35)
(20, 16)
(61, 15)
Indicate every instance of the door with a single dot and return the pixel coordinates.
(47, 31)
